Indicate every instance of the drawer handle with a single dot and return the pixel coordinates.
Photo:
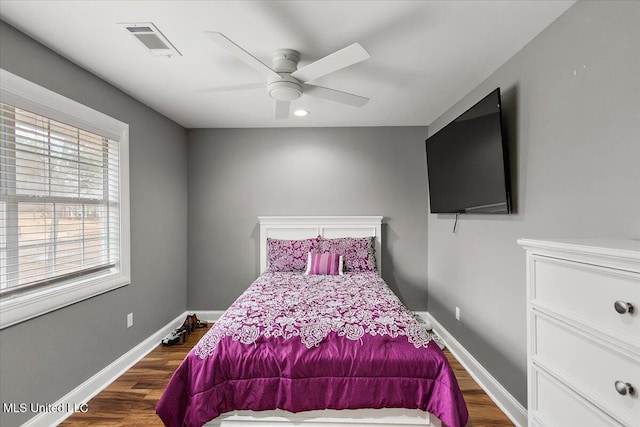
(623, 307)
(623, 388)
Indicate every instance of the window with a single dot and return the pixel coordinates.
(64, 211)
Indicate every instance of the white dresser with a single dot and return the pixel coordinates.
(583, 343)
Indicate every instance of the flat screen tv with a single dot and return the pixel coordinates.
(467, 162)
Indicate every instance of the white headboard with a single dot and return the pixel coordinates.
(305, 227)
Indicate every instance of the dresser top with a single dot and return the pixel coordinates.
(627, 249)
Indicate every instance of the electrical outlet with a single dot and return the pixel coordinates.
(129, 320)
(458, 314)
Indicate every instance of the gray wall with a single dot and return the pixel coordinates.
(572, 108)
(235, 175)
(573, 118)
(43, 359)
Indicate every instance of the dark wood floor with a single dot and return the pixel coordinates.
(130, 400)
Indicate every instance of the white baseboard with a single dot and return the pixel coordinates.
(94, 385)
(505, 401)
(209, 316)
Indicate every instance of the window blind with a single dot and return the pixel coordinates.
(59, 195)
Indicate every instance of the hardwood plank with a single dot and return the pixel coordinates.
(130, 400)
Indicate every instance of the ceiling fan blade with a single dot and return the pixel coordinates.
(231, 88)
(242, 54)
(336, 61)
(335, 95)
(282, 109)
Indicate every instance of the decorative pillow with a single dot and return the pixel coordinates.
(358, 252)
(289, 255)
(329, 264)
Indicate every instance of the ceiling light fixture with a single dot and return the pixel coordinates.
(301, 113)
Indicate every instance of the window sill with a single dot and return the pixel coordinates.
(20, 307)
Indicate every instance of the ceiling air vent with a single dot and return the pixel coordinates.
(151, 38)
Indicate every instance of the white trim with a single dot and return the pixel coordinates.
(24, 94)
(505, 401)
(208, 315)
(29, 304)
(98, 382)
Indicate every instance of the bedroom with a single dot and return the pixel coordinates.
(571, 102)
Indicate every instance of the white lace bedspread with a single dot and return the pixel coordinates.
(297, 306)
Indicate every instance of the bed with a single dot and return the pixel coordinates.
(306, 345)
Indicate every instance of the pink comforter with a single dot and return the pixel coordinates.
(299, 343)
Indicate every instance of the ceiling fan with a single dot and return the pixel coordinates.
(286, 83)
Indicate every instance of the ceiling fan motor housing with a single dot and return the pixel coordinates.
(285, 62)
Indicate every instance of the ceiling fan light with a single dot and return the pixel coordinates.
(285, 94)
(285, 90)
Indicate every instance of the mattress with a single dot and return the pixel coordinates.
(304, 342)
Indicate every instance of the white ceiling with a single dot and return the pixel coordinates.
(425, 55)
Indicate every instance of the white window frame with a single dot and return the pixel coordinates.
(21, 306)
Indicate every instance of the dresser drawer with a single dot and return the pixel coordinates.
(554, 401)
(588, 293)
(591, 366)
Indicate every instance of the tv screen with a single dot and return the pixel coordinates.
(467, 162)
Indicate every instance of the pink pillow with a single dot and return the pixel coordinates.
(328, 264)
(289, 255)
(358, 252)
